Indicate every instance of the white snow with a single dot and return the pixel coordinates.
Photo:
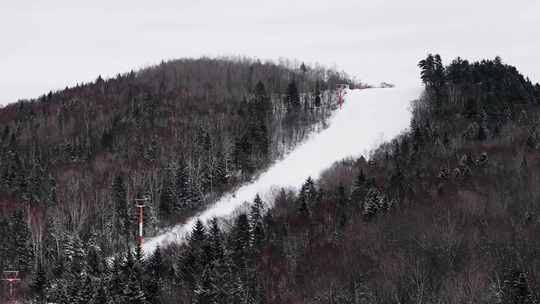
(366, 119)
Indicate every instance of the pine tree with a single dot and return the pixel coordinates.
(39, 284)
(221, 173)
(155, 280)
(241, 240)
(243, 150)
(342, 207)
(116, 282)
(119, 197)
(167, 197)
(94, 262)
(262, 102)
(195, 256)
(22, 247)
(306, 197)
(372, 203)
(74, 254)
(204, 291)
(195, 193)
(207, 174)
(198, 235)
(293, 97)
(483, 128)
(256, 223)
(515, 289)
(182, 185)
(215, 239)
(133, 292)
(359, 190)
(317, 102)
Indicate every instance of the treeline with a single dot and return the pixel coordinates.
(180, 133)
(448, 212)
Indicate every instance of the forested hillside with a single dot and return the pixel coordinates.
(180, 133)
(447, 213)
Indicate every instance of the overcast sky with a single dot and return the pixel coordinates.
(49, 44)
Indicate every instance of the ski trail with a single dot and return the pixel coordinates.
(366, 119)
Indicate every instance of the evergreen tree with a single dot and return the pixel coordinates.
(155, 277)
(359, 190)
(195, 256)
(133, 292)
(94, 262)
(342, 207)
(262, 102)
(22, 247)
(39, 284)
(182, 185)
(293, 96)
(515, 289)
(256, 223)
(317, 102)
(221, 173)
(119, 197)
(204, 291)
(241, 240)
(372, 203)
(116, 282)
(215, 238)
(306, 197)
(167, 197)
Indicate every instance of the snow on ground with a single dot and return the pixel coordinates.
(367, 118)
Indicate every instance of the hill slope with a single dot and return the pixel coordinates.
(182, 133)
(387, 109)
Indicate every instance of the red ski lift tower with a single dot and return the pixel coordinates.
(341, 92)
(141, 203)
(12, 278)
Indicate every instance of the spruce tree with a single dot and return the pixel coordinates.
(317, 102)
(182, 185)
(256, 223)
(119, 197)
(22, 248)
(221, 174)
(215, 239)
(154, 279)
(133, 292)
(372, 203)
(39, 284)
(293, 96)
(195, 256)
(359, 190)
(342, 207)
(306, 198)
(167, 197)
(241, 240)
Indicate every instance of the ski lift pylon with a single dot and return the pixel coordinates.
(10, 276)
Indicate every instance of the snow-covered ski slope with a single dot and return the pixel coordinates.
(367, 118)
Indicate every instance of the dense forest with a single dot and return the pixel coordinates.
(448, 212)
(180, 133)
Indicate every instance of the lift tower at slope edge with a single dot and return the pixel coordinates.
(140, 203)
(12, 278)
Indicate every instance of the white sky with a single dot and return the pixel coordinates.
(49, 44)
